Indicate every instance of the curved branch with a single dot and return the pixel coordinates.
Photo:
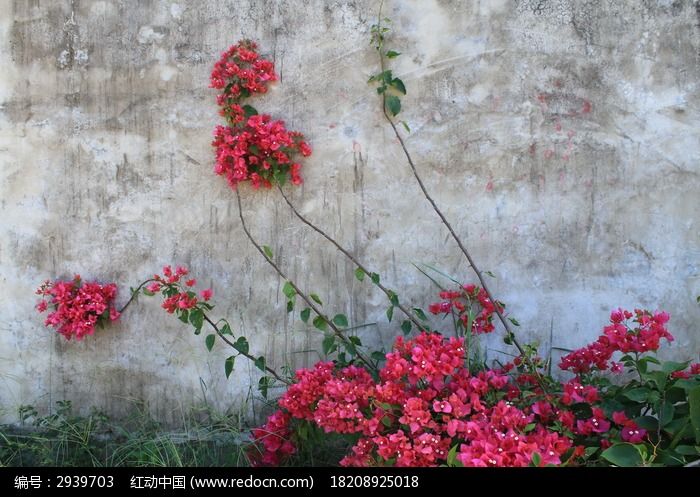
(135, 294)
(456, 238)
(244, 354)
(349, 256)
(304, 297)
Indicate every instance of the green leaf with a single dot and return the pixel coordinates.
(490, 274)
(666, 414)
(406, 327)
(452, 457)
(623, 454)
(393, 104)
(393, 298)
(694, 403)
(671, 367)
(260, 363)
(249, 111)
(290, 305)
(228, 365)
(589, 451)
(268, 251)
(536, 459)
(386, 421)
(674, 395)
(355, 340)
(209, 341)
(529, 427)
(304, 315)
(375, 278)
(688, 450)
(147, 292)
(638, 394)
(378, 356)
(288, 290)
(421, 315)
(350, 347)
(658, 377)
(316, 298)
(182, 316)
(398, 84)
(687, 384)
(320, 323)
(514, 321)
(405, 126)
(359, 274)
(264, 385)
(340, 320)
(392, 54)
(328, 344)
(226, 329)
(387, 76)
(241, 345)
(390, 313)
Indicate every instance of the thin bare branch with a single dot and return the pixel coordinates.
(352, 258)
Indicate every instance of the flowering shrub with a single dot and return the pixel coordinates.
(77, 306)
(252, 147)
(179, 298)
(472, 307)
(619, 336)
(427, 409)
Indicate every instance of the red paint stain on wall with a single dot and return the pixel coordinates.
(586, 107)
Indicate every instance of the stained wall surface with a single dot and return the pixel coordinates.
(560, 137)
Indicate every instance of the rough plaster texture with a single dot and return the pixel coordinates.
(560, 137)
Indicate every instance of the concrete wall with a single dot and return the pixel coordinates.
(560, 137)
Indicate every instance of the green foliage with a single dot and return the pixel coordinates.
(228, 365)
(340, 320)
(268, 251)
(320, 323)
(65, 439)
(623, 454)
(209, 341)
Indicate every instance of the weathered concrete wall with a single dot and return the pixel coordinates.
(560, 137)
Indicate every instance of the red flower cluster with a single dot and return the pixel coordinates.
(252, 147)
(619, 336)
(274, 437)
(77, 306)
(260, 151)
(629, 431)
(176, 296)
(240, 72)
(470, 302)
(425, 403)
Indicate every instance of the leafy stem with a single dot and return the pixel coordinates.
(338, 333)
(135, 293)
(379, 45)
(389, 293)
(240, 352)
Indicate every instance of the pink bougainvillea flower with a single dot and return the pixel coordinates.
(77, 306)
(252, 147)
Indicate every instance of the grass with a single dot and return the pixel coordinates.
(63, 439)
